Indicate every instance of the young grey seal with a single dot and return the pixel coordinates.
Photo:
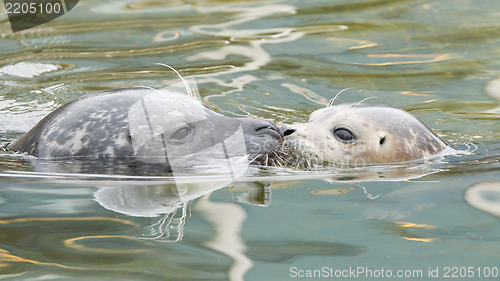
(149, 125)
(359, 134)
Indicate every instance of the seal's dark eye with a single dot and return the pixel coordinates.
(344, 135)
(181, 136)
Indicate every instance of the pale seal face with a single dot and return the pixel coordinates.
(359, 134)
(151, 126)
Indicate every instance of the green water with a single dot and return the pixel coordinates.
(440, 60)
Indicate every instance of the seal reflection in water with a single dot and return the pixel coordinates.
(359, 134)
(150, 126)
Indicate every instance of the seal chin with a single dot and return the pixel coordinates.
(262, 139)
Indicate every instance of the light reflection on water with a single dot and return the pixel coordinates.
(278, 60)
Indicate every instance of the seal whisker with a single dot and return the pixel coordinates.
(332, 101)
(274, 162)
(186, 85)
(273, 159)
(282, 159)
(363, 100)
(255, 158)
(277, 159)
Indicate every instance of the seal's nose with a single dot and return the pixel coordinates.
(261, 127)
(287, 130)
(262, 138)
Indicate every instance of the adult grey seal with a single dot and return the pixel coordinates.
(358, 134)
(153, 126)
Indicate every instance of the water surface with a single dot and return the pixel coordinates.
(281, 60)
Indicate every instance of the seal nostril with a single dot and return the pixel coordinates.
(288, 132)
(382, 140)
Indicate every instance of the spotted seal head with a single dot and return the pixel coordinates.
(358, 134)
(146, 124)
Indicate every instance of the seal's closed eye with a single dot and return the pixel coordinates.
(181, 136)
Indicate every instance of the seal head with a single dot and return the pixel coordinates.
(149, 125)
(359, 134)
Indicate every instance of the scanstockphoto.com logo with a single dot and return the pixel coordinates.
(26, 14)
